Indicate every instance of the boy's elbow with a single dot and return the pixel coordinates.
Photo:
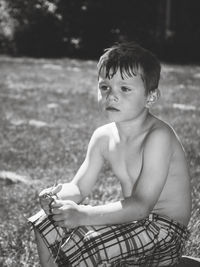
(144, 209)
(80, 192)
(147, 210)
(70, 191)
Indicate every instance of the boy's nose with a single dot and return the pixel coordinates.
(112, 96)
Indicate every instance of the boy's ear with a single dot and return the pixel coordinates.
(152, 97)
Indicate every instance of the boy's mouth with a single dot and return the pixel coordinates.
(112, 109)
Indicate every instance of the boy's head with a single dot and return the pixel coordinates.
(131, 59)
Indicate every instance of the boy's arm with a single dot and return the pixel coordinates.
(87, 174)
(146, 192)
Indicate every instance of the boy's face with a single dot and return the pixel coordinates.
(121, 99)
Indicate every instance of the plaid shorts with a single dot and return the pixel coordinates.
(154, 241)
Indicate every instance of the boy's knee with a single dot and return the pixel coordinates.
(44, 254)
(91, 236)
(79, 240)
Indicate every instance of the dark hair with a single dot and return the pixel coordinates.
(129, 58)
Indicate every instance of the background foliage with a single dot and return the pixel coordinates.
(83, 28)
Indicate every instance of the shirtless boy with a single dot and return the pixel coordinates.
(148, 226)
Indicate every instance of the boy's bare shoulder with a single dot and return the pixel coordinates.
(102, 135)
(160, 131)
(160, 126)
(104, 131)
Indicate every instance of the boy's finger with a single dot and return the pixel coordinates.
(56, 211)
(56, 189)
(60, 224)
(43, 192)
(57, 218)
(56, 204)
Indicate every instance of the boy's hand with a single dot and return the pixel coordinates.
(67, 213)
(47, 196)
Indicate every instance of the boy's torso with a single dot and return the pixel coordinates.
(126, 161)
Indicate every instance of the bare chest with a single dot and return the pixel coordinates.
(126, 163)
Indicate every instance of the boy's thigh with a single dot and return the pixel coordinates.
(133, 243)
(93, 245)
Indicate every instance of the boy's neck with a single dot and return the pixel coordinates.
(128, 130)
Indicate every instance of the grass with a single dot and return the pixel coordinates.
(48, 111)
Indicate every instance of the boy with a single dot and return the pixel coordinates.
(148, 226)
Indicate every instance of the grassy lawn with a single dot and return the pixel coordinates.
(48, 111)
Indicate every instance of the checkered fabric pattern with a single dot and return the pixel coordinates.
(154, 241)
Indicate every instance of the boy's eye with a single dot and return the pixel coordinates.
(104, 87)
(125, 89)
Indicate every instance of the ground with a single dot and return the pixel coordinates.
(48, 111)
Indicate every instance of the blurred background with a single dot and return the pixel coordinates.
(83, 28)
